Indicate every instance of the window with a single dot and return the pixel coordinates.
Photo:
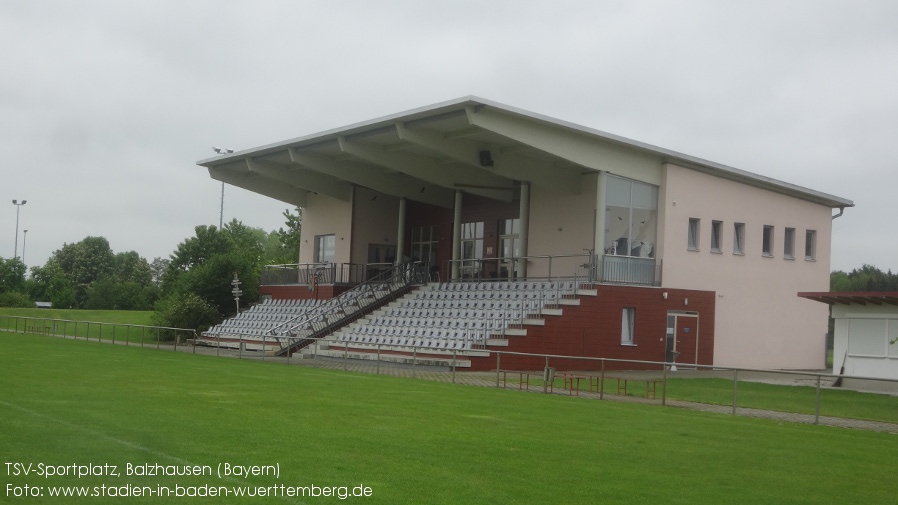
(471, 244)
(810, 245)
(789, 244)
(716, 230)
(692, 236)
(324, 248)
(631, 216)
(738, 238)
(767, 241)
(424, 244)
(628, 320)
(509, 247)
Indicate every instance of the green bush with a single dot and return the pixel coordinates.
(15, 299)
(183, 310)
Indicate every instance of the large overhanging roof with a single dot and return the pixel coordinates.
(470, 144)
(853, 298)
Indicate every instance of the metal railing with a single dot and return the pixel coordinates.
(548, 267)
(126, 334)
(629, 270)
(337, 311)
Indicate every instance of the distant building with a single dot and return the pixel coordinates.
(489, 192)
(43, 305)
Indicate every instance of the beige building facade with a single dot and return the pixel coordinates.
(479, 188)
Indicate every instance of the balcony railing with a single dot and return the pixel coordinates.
(630, 270)
(610, 269)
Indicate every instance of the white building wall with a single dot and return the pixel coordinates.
(324, 215)
(375, 221)
(561, 224)
(864, 358)
(760, 322)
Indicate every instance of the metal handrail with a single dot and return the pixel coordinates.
(340, 308)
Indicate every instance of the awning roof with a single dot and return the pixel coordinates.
(858, 298)
(470, 144)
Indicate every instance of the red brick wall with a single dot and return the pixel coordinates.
(594, 329)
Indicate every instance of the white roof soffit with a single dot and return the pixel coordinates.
(425, 154)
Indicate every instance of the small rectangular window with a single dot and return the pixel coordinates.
(789, 244)
(716, 230)
(628, 320)
(810, 245)
(767, 241)
(693, 233)
(739, 238)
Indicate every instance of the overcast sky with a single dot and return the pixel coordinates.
(106, 106)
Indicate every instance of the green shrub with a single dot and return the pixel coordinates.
(15, 299)
(183, 310)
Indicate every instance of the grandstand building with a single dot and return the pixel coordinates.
(531, 234)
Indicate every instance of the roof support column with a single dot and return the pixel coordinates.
(599, 240)
(524, 232)
(456, 235)
(400, 233)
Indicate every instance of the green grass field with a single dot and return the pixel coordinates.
(60, 321)
(65, 402)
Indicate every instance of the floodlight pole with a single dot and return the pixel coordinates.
(24, 238)
(18, 206)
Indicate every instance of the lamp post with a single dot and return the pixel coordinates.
(24, 238)
(18, 206)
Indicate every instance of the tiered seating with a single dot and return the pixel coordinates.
(261, 318)
(460, 315)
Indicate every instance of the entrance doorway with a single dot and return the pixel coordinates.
(682, 337)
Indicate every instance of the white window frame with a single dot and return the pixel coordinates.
(739, 239)
(810, 245)
(628, 326)
(321, 246)
(716, 236)
(693, 234)
(789, 244)
(767, 245)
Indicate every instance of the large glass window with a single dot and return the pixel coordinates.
(325, 246)
(509, 247)
(424, 244)
(471, 244)
(631, 216)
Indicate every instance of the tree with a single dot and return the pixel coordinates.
(86, 261)
(157, 270)
(290, 238)
(131, 267)
(206, 263)
(12, 275)
(49, 283)
(12, 284)
(866, 278)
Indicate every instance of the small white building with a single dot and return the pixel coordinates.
(865, 332)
